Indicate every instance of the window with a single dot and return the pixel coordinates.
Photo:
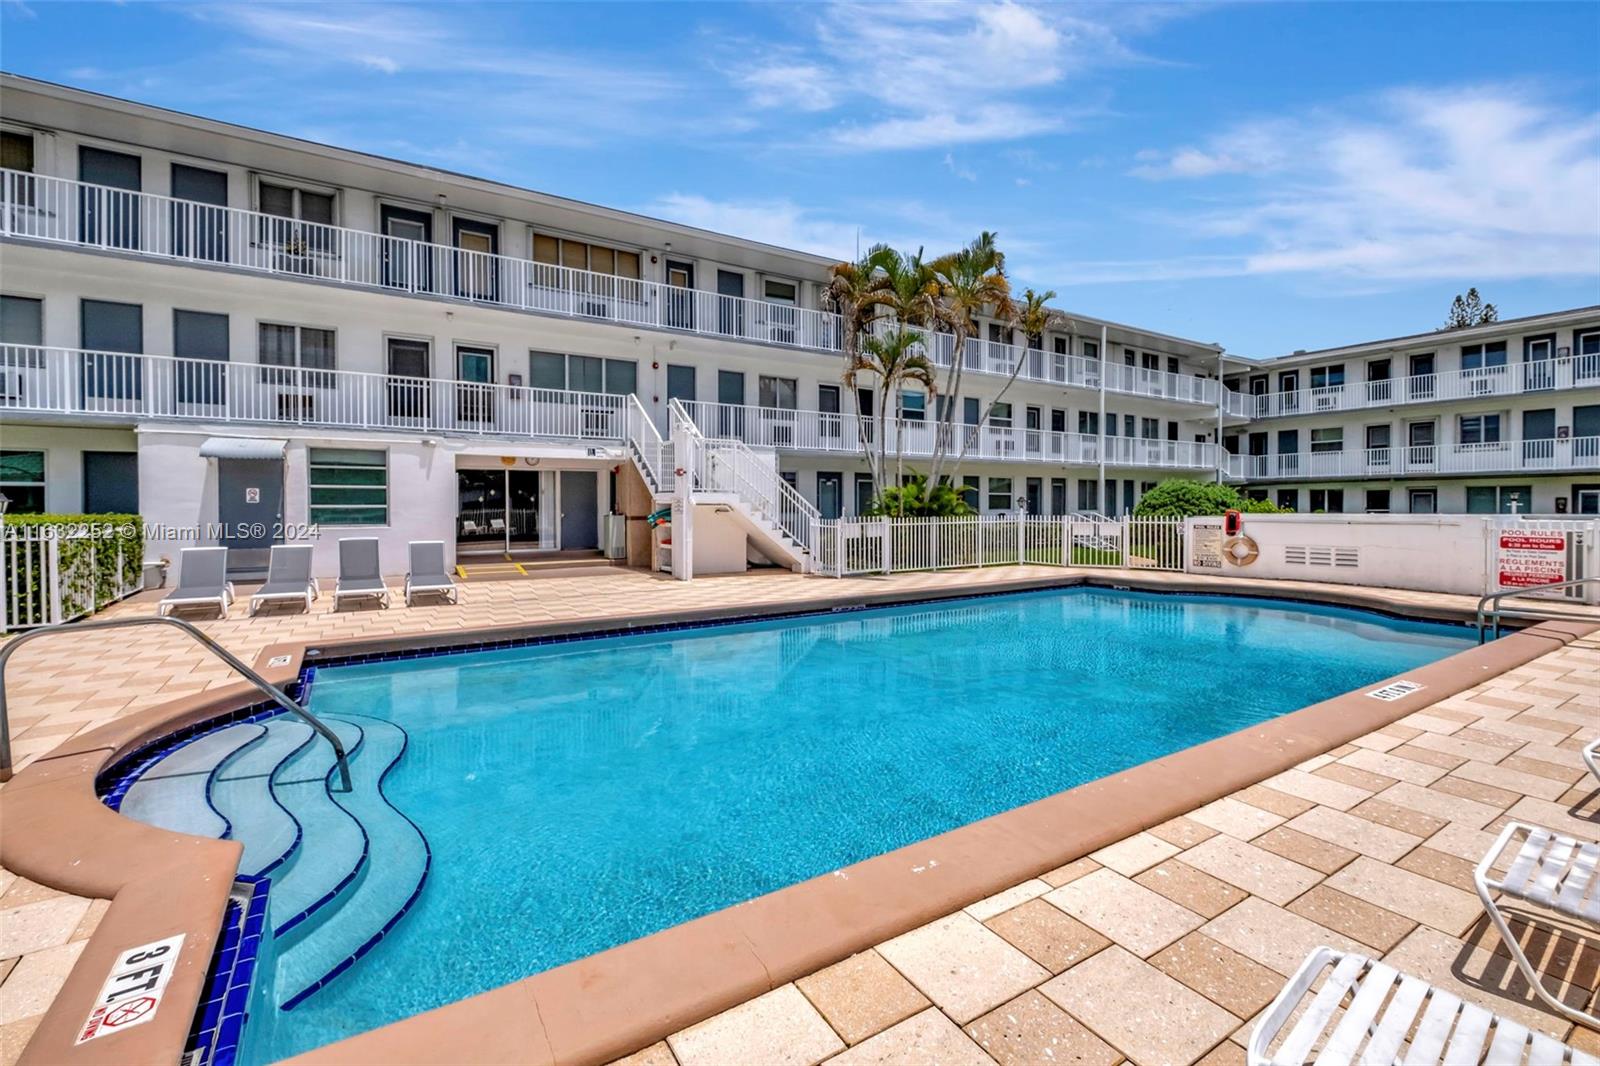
(1330, 501)
(348, 487)
(1483, 356)
(16, 153)
(1502, 499)
(1111, 424)
(292, 241)
(22, 481)
(1480, 429)
(1377, 501)
(969, 490)
(21, 322)
(1150, 428)
(1060, 346)
(782, 393)
(999, 494)
(288, 201)
(1000, 418)
(1289, 499)
(1327, 440)
(581, 255)
(1091, 350)
(290, 347)
(582, 373)
(1378, 436)
(1088, 495)
(913, 406)
(1127, 425)
(1327, 377)
(1089, 422)
(780, 292)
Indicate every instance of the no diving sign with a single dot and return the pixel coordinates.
(133, 989)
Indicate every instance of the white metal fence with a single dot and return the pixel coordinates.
(51, 575)
(847, 547)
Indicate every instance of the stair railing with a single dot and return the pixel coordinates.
(729, 465)
(272, 691)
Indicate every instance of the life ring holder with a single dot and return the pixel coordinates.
(1241, 550)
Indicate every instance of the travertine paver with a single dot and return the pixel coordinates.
(862, 995)
(1031, 1029)
(964, 967)
(1126, 911)
(1528, 723)
(1149, 1017)
(780, 1028)
(1135, 854)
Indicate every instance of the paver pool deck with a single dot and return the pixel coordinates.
(1160, 948)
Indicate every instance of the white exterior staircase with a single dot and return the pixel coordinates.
(690, 468)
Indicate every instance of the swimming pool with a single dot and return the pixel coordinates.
(568, 797)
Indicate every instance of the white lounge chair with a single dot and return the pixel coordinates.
(202, 581)
(359, 574)
(288, 577)
(1548, 870)
(427, 574)
(1380, 1007)
(1591, 757)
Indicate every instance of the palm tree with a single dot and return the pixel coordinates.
(1031, 315)
(896, 360)
(971, 281)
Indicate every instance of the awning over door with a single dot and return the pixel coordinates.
(242, 448)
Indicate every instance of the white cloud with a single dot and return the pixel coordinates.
(960, 170)
(922, 66)
(1478, 182)
(777, 222)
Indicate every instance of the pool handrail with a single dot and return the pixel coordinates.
(1500, 612)
(277, 695)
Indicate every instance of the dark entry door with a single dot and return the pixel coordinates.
(730, 303)
(250, 509)
(105, 327)
(199, 215)
(680, 295)
(580, 522)
(110, 483)
(406, 259)
(108, 214)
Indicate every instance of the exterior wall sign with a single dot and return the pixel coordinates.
(1206, 546)
(1525, 560)
(133, 989)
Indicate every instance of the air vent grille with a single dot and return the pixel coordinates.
(1321, 555)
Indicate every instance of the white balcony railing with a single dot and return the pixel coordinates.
(64, 211)
(131, 388)
(817, 431)
(74, 212)
(1509, 457)
(1543, 375)
(1056, 368)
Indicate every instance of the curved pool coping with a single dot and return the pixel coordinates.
(619, 1000)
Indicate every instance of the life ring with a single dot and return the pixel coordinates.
(1241, 550)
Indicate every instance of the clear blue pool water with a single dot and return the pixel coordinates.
(576, 796)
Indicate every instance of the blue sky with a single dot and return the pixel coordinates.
(1268, 176)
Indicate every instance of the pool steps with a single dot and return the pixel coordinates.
(343, 868)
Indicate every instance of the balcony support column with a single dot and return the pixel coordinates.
(1216, 449)
(1100, 483)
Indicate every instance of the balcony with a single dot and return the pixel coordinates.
(823, 432)
(68, 212)
(124, 388)
(1076, 371)
(1544, 375)
(1500, 457)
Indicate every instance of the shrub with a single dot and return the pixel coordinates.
(914, 498)
(101, 535)
(1180, 498)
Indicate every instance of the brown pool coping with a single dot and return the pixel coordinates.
(617, 1001)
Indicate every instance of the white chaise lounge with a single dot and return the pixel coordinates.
(359, 573)
(427, 573)
(1546, 869)
(1367, 1012)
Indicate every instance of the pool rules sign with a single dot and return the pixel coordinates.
(1526, 560)
(133, 989)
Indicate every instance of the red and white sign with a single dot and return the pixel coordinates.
(1526, 560)
(133, 989)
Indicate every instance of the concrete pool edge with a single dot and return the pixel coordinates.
(625, 998)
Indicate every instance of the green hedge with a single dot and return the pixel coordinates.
(101, 534)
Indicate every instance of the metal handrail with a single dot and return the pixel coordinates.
(1496, 597)
(277, 694)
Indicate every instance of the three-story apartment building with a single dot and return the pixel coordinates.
(242, 336)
